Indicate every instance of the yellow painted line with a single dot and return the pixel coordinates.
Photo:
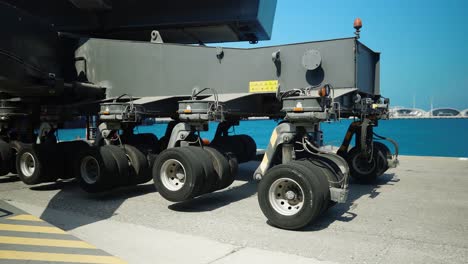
(31, 229)
(69, 258)
(25, 217)
(44, 242)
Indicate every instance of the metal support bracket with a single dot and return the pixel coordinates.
(182, 130)
(363, 134)
(338, 195)
(44, 131)
(282, 134)
(393, 162)
(126, 112)
(288, 152)
(105, 130)
(198, 110)
(179, 132)
(223, 128)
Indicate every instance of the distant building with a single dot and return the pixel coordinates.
(445, 112)
(407, 112)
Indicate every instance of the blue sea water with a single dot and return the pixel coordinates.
(418, 137)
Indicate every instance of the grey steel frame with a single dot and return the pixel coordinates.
(159, 70)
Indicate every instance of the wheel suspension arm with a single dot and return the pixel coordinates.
(347, 139)
(283, 133)
(223, 127)
(393, 163)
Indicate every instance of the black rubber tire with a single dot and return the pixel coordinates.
(145, 142)
(210, 177)
(194, 174)
(54, 159)
(5, 158)
(384, 154)
(151, 158)
(331, 177)
(365, 175)
(139, 168)
(107, 170)
(15, 147)
(243, 146)
(385, 150)
(250, 147)
(71, 151)
(149, 138)
(231, 144)
(322, 178)
(327, 158)
(48, 163)
(123, 168)
(221, 167)
(163, 142)
(313, 196)
(317, 178)
(237, 145)
(233, 165)
(140, 139)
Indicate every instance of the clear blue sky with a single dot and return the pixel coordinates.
(424, 43)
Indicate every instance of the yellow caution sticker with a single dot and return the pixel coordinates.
(263, 86)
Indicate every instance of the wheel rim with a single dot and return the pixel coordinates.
(362, 165)
(286, 196)
(90, 170)
(27, 164)
(382, 164)
(173, 175)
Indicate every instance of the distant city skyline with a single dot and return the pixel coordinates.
(425, 110)
(423, 43)
(432, 105)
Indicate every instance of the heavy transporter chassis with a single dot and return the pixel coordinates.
(128, 81)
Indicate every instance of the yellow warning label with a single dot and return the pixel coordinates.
(263, 86)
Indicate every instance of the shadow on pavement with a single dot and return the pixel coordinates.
(96, 207)
(343, 212)
(9, 178)
(213, 201)
(71, 200)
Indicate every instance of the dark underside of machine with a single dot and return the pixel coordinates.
(117, 63)
(37, 47)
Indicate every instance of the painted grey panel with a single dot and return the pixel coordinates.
(226, 97)
(146, 69)
(367, 70)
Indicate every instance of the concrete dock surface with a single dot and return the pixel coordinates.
(25, 238)
(416, 213)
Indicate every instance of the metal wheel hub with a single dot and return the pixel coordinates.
(27, 164)
(290, 195)
(90, 170)
(286, 196)
(172, 175)
(363, 164)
